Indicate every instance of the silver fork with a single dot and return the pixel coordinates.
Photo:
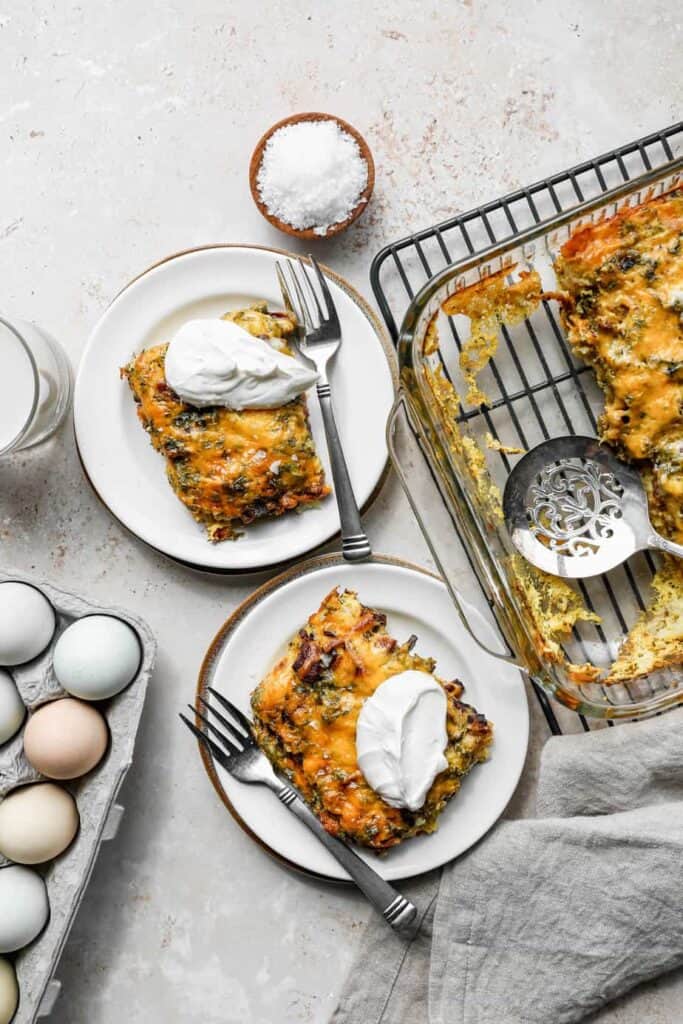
(237, 751)
(318, 339)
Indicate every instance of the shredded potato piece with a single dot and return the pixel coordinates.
(507, 449)
(656, 639)
(474, 459)
(554, 608)
(489, 304)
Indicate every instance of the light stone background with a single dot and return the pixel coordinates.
(126, 133)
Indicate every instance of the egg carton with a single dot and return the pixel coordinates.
(67, 877)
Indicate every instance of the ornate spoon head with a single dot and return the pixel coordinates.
(575, 510)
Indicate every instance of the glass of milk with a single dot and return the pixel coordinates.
(35, 385)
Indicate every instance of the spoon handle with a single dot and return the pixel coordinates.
(668, 546)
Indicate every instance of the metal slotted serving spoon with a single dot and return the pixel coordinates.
(318, 338)
(575, 510)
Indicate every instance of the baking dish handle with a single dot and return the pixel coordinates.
(401, 405)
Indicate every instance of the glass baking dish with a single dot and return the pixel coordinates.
(536, 389)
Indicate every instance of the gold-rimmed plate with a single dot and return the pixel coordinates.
(129, 476)
(415, 601)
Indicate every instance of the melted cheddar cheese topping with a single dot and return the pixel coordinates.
(622, 307)
(230, 467)
(305, 714)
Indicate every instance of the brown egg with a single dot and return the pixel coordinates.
(37, 823)
(65, 739)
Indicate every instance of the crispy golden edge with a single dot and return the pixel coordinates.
(473, 459)
(490, 304)
(554, 609)
(655, 641)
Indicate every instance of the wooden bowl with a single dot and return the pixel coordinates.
(310, 233)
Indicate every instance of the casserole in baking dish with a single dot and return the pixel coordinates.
(554, 332)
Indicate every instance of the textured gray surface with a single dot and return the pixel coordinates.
(126, 134)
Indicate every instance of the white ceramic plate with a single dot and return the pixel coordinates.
(130, 476)
(415, 602)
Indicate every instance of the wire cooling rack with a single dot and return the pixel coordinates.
(400, 269)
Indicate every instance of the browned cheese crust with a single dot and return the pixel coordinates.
(230, 468)
(305, 714)
(622, 307)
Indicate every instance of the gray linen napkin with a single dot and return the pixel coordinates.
(548, 918)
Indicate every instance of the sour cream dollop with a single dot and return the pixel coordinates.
(217, 362)
(401, 737)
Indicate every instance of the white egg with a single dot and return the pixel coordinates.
(9, 991)
(96, 657)
(27, 623)
(12, 710)
(24, 907)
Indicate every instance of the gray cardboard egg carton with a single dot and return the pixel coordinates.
(67, 877)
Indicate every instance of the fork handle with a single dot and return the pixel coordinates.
(355, 544)
(396, 910)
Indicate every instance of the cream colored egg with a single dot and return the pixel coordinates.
(9, 991)
(12, 710)
(65, 739)
(37, 823)
(97, 657)
(24, 907)
(27, 622)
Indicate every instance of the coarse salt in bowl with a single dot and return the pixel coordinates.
(311, 175)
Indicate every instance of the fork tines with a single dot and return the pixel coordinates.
(309, 313)
(237, 736)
